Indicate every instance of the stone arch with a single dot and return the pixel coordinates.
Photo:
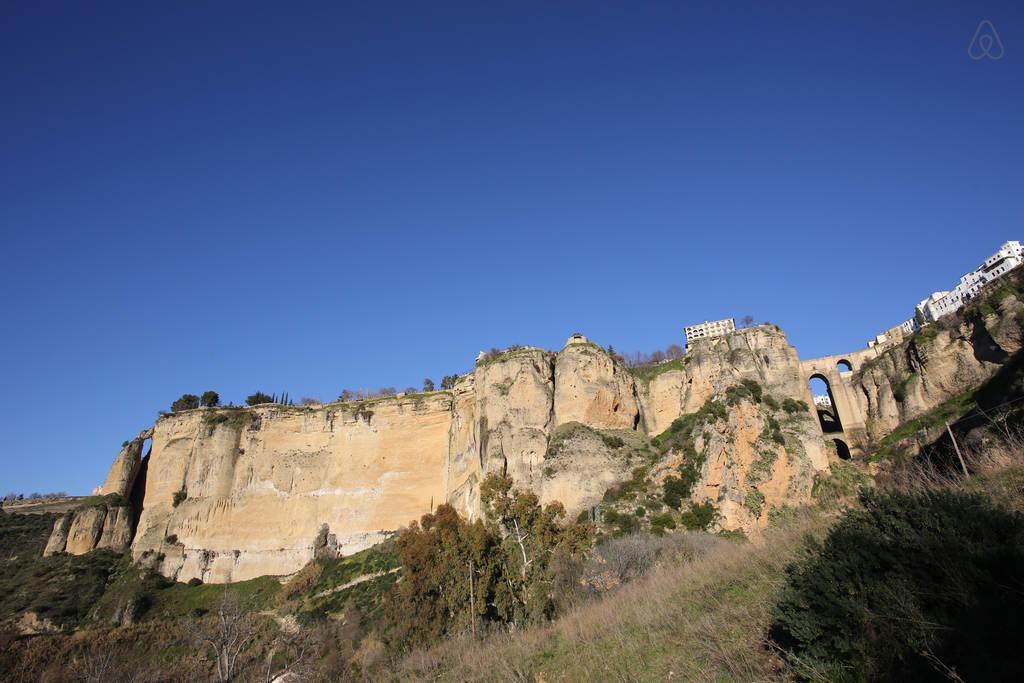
(842, 450)
(843, 365)
(828, 415)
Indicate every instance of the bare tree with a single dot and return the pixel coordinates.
(96, 666)
(747, 321)
(292, 649)
(228, 634)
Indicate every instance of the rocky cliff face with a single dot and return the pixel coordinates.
(757, 460)
(230, 494)
(941, 362)
(103, 525)
(234, 494)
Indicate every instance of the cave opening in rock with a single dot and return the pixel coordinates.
(842, 450)
(824, 404)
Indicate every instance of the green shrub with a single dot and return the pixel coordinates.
(791, 406)
(583, 517)
(626, 524)
(186, 402)
(661, 522)
(258, 398)
(754, 502)
(842, 481)
(747, 389)
(770, 401)
(772, 431)
(681, 432)
(734, 535)
(629, 489)
(640, 511)
(179, 496)
(195, 581)
(699, 517)
(612, 441)
(675, 491)
(906, 583)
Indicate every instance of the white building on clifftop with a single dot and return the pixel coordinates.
(709, 328)
(1009, 256)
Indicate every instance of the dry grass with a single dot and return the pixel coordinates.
(703, 619)
(997, 470)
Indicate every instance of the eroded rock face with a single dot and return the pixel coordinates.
(104, 525)
(592, 389)
(126, 467)
(746, 473)
(234, 494)
(936, 365)
(230, 494)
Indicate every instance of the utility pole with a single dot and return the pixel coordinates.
(472, 602)
(956, 447)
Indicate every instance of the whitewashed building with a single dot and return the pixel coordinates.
(709, 328)
(1009, 256)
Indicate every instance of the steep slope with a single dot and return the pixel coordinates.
(944, 360)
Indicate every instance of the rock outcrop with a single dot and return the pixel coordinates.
(105, 524)
(125, 469)
(946, 359)
(227, 494)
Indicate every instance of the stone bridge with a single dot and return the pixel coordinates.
(844, 425)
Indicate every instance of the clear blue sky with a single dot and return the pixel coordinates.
(311, 197)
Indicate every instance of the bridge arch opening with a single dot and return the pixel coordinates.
(825, 404)
(842, 450)
(844, 365)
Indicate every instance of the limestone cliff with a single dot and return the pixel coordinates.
(235, 493)
(103, 524)
(946, 359)
(227, 494)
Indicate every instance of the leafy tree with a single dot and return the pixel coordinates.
(699, 517)
(209, 399)
(675, 491)
(448, 382)
(909, 588)
(258, 398)
(458, 575)
(186, 402)
(428, 384)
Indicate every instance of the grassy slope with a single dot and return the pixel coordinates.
(327, 598)
(700, 620)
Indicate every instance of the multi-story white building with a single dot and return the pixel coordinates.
(823, 401)
(1009, 256)
(709, 328)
